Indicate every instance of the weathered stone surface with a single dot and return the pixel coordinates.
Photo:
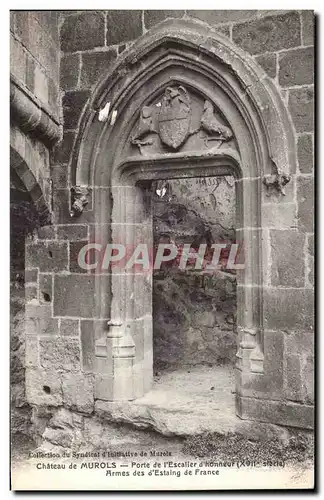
(288, 260)
(282, 215)
(73, 103)
(69, 327)
(88, 344)
(152, 17)
(269, 33)
(72, 232)
(31, 354)
(18, 59)
(308, 24)
(31, 293)
(78, 392)
(45, 288)
(301, 106)
(60, 155)
(221, 16)
(305, 197)
(299, 367)
(296, 67)
(39, 319)
(61, 353)
(279, 412)
(46, 233)
(31, 275)
(305, 153)
(82, 31)
(66, 288)
(75, 248)
(123, 26)
(48, 256)
(60, 437)
(69, 71)
(269, 63)
(43, 387)
(95, 66)
(288, 309)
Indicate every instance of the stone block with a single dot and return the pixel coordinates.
(73, 104)
(92, 292)
(294, 381)
(61, 154)
(221, 16)
(269, 63)
(276, 412)
(95, 66)
(18, 60)
(299, 357)
(287, 258)
(53, 97)
(69, 327)
(308, 25)
(61, 206)
(31, 293)
(269, 34)
(69, 71)
(43, 387)
(281, 216)
(31, 275)
(40, 84)
(301, 107)
(46, 233)
(305, 153)
(103, 388)
(88, 344)
(45, 288)
(152, 17)
(60, 353)
(123, 26)
(31, 351)
(75, 248)
(73, 232)
(82, 31)
(306, 204)
(59, 437)
(296, 67)
(288, 309)
(59, 176)
(48, 256)
(78, 392)
(30, 72)
(39, 320)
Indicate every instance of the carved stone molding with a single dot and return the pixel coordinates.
(31, 116)
(276, 182)
(79, 199)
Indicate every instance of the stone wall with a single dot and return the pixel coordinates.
(35, 117)
(194, 313)
(63, 313)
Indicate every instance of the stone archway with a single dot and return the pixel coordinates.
(113, 160)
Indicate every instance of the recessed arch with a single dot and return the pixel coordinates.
(178, 53)
(190, 45)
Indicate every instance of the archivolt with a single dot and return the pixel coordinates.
(184, 51)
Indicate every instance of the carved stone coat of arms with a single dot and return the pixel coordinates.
(174, 117)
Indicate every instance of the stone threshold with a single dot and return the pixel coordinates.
(186, 402)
